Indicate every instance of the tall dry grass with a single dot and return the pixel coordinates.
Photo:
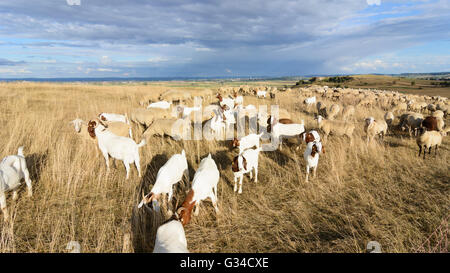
(382, 192)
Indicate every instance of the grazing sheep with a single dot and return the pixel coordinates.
(438, 114)
(160, 104)
(116, 127)
(204, 185)
(168, 175)
(428, 139)
(175, 128)
(310, 101)
(245, 163)
(334, 110)
(13, 169)
(113, 117)
(321, 109)
(175, 95)
(145, 117)
(246, 142)
(347, 112)
(335, 127)
(412, 122)
(117, 147)
(311, 156)
(389, 118)
(186, 111)
(375, 127)
(170, 238)
(400, 107)
(81, 128)
(260, 93)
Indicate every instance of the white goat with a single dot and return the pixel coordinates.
(204, 186)
(311, 156)
(310, 101)
(280, 130)
(118, 147)
(170, 238)
(113, 117)
(186, 111)
(160, 104)
(245, 163)
(168, 175)
(12, 169)
(247, 142)
(261, 93)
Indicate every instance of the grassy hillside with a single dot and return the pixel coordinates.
(380, 192)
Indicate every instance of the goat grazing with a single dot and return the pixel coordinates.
(13, 169)
(246, 142)
(204, 185)
(245, 163)
(168, 175)
(311, 156)
(118, 147)
(280, 130)
(170, 238)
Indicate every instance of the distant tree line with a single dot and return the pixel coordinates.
(441, 83)
(339, 79)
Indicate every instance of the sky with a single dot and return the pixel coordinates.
(217, 38)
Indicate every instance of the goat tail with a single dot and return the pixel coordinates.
(142, 143)
(20, 151)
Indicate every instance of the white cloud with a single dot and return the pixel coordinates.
(105, 60)
(73, 2)
(374, 2)
(158, 59)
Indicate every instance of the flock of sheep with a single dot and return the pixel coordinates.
(113, 135)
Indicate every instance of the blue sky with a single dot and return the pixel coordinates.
(184, 38)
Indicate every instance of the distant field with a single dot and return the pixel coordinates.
(382, 192)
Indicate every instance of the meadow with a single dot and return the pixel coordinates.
(379, 192)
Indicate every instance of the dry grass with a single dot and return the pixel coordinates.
(383, 192)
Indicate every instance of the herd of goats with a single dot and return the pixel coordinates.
(113, 135)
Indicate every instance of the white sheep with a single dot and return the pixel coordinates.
(245, 163)
(428, 139)
(347, 112)
(336, 127)
(247, 142)
(145, 117)
(334, 110)
(375, 127)
(261, 94)
(175, 128)
(170, 238)
(311, 156)
(310, 101)
(13, 169)
(168, 175)
(204, 185)
(160, 104)
(118, 147)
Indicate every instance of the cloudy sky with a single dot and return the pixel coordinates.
(186, 38)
